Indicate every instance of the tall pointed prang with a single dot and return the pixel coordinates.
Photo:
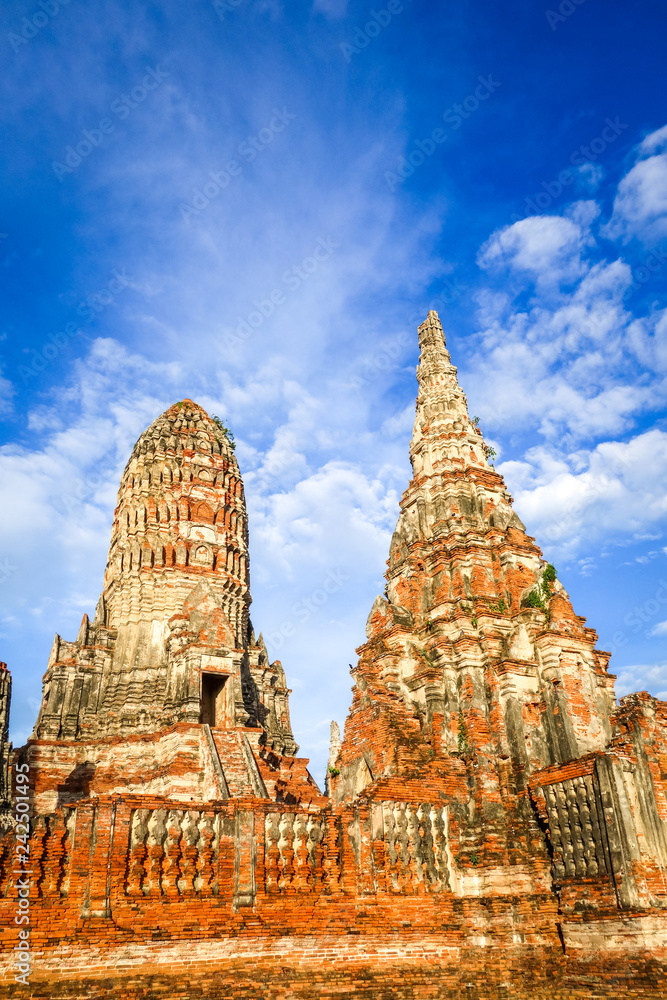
(474, 629)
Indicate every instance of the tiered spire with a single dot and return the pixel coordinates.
(473, 627)
(444, 436)
(174, 609)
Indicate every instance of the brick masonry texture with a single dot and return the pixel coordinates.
(494, 823)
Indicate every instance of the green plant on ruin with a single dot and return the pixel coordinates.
(225, 430)
(499, 607)
(462, 734)
(533, 599)
(426, 655)
(475, 421)
(474, 622)
(474, 860)
(333, 771)
(539, 596)
(489, 451)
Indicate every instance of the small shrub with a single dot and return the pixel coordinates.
(225, 430)
(533, 599)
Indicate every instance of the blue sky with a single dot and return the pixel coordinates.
(254, 204)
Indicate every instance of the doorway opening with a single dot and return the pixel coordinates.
(213, 699)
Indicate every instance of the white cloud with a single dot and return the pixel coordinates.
(548, 248)
(643, 677)
(640, 206)
(655, 142)
(659, 629)
(614, 492)
(568, 366)
(337, 514)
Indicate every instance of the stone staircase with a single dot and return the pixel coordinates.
(238, 764)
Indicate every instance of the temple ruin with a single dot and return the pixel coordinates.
(494, 822)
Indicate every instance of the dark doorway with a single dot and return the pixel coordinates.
(213, 699)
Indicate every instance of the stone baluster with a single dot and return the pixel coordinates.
(590, 859)
(138, 851)
(391, 851)
(430, 874)
(304, 876)
(439, 834)
(379, 848)
(206, 855)
(288, 874)
(558, 857)
(157, 833)
(575, 828)
(416, 850)
(172, 853)
(315, 852)
(331, 862)
(189, 853)
(403, 849)
(596, 825)
(272, 854)
(566, 836)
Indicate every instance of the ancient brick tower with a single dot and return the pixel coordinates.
(495, 825)
(171, 644)
(475, 656)
(475, 645)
